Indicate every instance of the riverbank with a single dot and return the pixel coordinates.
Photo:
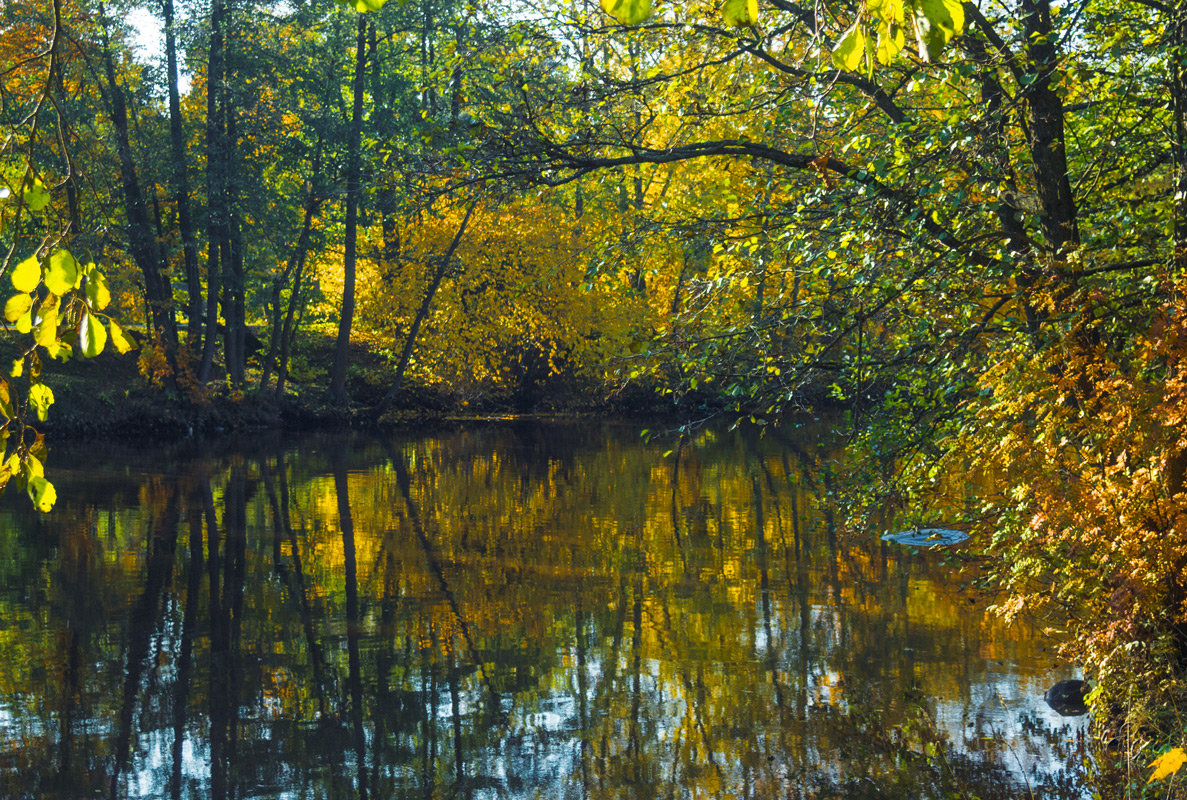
(108, 396)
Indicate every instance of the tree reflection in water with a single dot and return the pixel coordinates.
(512, 611)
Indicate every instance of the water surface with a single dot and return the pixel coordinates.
(499, 611)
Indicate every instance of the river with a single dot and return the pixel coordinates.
(505, 610)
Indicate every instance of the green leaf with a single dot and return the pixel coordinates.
(42, 493)
(118, 338)
(936, 23)
(17, 305)
(849, 51)
(740, 12)
(27, 274)
(628, 12)
(62, 273)
(892, 12)
(363, 6)
(91, 335)
(946, 14)
(98, 295)
(41, 397)
(35, 195)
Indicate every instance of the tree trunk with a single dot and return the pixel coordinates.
(292, 321)
(997, 156)
(423, 311)
(181, 187)
(216, 167)
(142, 242)
(234, 303)
(234, 274)
(428, 97)
(337, 394)
(294, 268)
(72, 188)
(455, 83)
(1045, 133)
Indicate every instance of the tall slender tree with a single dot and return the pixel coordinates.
(181, 185)
(141, 234)
(337, 390)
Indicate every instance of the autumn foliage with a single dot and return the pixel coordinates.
(961, 228)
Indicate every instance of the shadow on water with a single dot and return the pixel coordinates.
(498, 612)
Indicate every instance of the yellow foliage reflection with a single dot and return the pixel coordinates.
(556, 610)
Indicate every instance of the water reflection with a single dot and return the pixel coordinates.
(497, 612)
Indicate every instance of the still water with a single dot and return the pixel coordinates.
(498, 611)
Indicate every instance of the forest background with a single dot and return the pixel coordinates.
(963, 225)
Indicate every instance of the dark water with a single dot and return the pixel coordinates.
(509, 611)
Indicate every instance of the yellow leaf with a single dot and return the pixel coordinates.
(34, 467)
(35, 195)
(41, 397)
(740, 12)
(62, 273)
(42, 493)
(1167, 764)
(6, 407)
(120, 339)
(27, 275)
(98, 295)
(851, 48)
(47, 326)
(91, 335)
(17, 305)
(892, 12)
(891, 40)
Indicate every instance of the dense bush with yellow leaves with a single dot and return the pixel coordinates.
(513, 308)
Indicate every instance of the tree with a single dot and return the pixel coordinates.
(354, 143)
(181, 185)
(141, 236)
